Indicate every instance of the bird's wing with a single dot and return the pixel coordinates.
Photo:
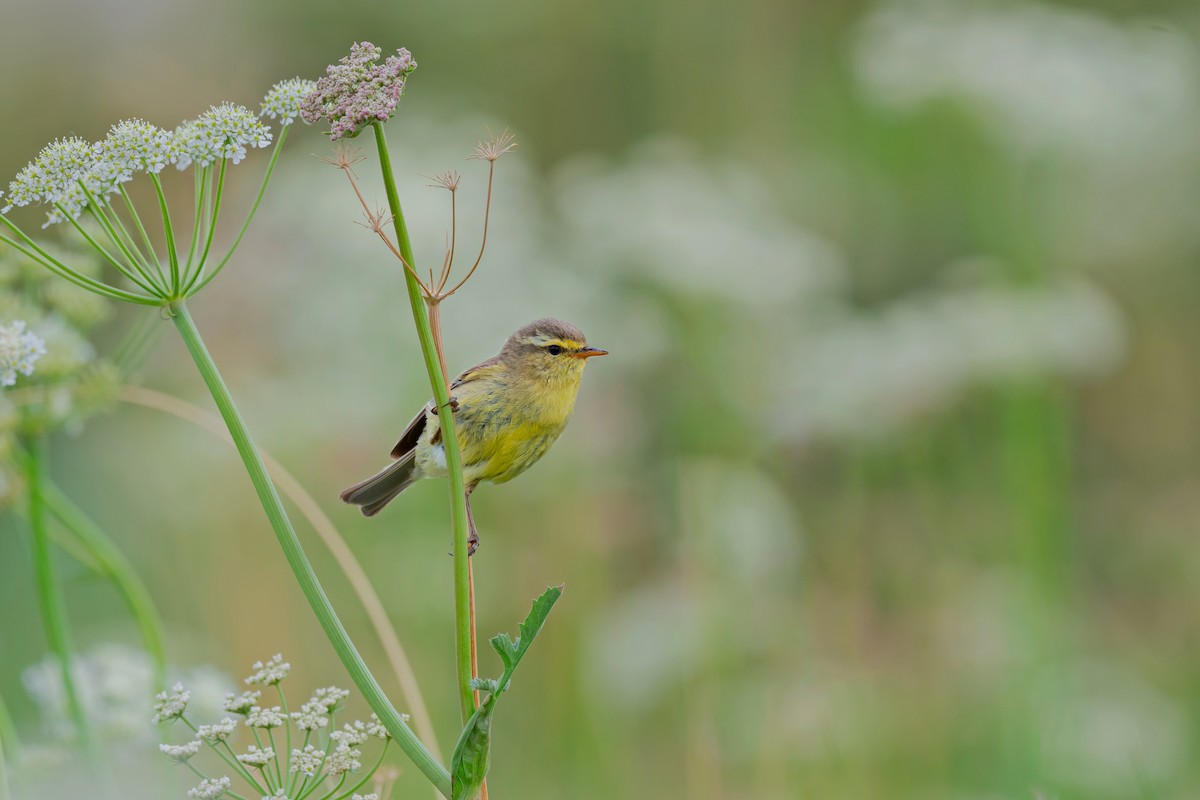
(412, 434)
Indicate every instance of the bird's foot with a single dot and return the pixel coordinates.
(472, 542)
(453, 403)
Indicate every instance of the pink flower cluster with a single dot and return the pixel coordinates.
(357, 91)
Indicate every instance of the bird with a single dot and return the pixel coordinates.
(508, 411)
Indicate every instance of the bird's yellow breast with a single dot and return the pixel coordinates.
(505, 423)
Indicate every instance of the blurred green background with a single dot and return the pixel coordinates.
(890, 487)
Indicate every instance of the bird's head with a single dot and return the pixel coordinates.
(549, 349)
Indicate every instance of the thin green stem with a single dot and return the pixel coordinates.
(4, 793)
(374, 768)
(168, 232)
(237, 240)
(49, 592)
(115, 566)
(152, 261)
(8, 731)
(237, 766)
(31, 250)
(298, 561)
(228, 792)
(99, 248)
(198, 203)
(144, 265)
(104, 213)
(441, 393)
(219, 180)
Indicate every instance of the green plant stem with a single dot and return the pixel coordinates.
(441, 393)
(8, 731)
(113, 564)
(151, 256)
(31, 250)
(49, 593)
(4, 793)
(298, 561)
(168, 232)
(262, 189)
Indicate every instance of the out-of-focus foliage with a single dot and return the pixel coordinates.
(889, 486)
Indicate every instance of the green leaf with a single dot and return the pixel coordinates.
(530, 628)
(472, 753)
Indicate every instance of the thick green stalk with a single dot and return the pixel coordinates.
(298, 561)
(441, 394)
(49, 593)
(115, 566)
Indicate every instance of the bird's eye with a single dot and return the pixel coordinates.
(554, 350)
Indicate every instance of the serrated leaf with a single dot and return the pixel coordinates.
(530, 628)
(472, 753)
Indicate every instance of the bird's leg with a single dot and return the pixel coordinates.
(453, 403)
(473, 534)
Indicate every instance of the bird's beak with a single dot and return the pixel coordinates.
(588, 352)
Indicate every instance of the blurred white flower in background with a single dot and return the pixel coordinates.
(1042, 76)
(669, 214)
(1108, 733)
(116, 689)
(870, 371)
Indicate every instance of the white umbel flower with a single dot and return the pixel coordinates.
(329, 698)
(217, 732)
(210, 789)
(253, 757)
(310, 717)
(134, 145)
(308, 761)
(342, 760)
(224, 131)
(19, 351)
(180, 753)
(171, 704)
(283, 101)
(269, 672)
(241, 703)
(265, 717)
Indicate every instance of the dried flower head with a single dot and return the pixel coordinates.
(269, 672)
(241, 703)
(19, 351)
(283, 101)
(224, 131)
(447, 180)
(357, 91)
(493, 147)
(180, 753)
(210, 789)
(171, 704)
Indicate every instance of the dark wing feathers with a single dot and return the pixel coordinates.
(412, 434)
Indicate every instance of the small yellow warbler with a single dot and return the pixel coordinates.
(508, 410)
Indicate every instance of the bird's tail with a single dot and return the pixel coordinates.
(378, 490)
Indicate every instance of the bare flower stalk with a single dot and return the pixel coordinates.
(294, 491)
